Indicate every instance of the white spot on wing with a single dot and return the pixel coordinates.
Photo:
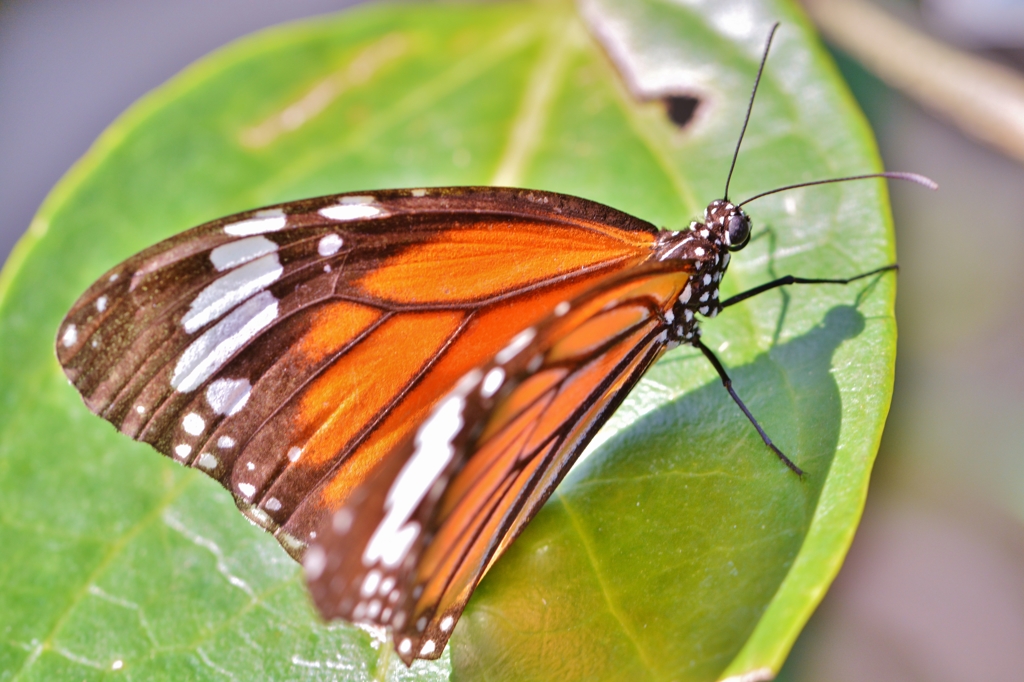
(270, 220)
(342, 520)
(214, 348)
(101, 303)
(428, 648)
(518, 342)
(228, 396)
(70, 336)
(329, 245)
(685, 296)
(230, 290)
(208, 461)
(392, 539)
(446, 623)
(183, 450)
(351, 208)
(370, 584)
(294, 453)
(699, 250)
(225, 442)
(492, 382)
(314, 562)
(419, 192)
(247, 489)
(394, 536)
(562, 308)
(244, 250)
(406, 646)
(193, 424)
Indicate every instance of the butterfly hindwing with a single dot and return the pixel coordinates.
(415, 539)
(286, 351)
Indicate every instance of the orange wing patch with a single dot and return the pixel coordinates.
(333, 327)
(357, 387)
(473, 263)
(314, 434)
(485, 333)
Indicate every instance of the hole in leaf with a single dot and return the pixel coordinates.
(681, 108)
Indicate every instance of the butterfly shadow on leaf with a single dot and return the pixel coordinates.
(661, 551)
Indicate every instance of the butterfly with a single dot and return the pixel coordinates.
(393, 382)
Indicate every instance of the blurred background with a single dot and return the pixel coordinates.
(933, 588)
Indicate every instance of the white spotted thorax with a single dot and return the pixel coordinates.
(725, 228)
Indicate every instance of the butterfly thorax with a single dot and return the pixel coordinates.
(706, 245)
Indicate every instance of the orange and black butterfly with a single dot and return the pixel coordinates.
(393, 382)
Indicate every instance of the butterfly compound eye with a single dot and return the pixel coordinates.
(738, 231)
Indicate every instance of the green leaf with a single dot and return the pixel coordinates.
(679, 549)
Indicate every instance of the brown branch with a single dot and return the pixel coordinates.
(985, 99)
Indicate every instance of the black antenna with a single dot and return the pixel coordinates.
(912, 177)
(750, 107)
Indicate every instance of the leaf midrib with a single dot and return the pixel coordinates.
(613, 610)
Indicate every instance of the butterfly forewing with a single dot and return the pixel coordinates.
(458, 490)
(287, 351)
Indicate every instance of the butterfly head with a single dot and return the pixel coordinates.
(728, 224)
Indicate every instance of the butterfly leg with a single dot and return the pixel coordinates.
(790, 279)
(727, 382)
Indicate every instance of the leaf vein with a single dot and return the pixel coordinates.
(612, 608)
(115, 549)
